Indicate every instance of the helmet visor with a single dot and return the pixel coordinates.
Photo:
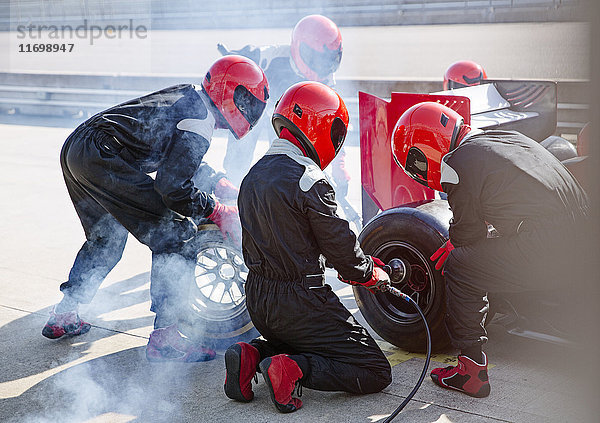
(416, 165)
(469, 82)
(452, 85)
(249, 105)
(338, 134)
(323, 63)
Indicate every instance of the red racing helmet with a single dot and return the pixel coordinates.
(316, 47)
(316, 116)
(463, 74)
(238, 90)
(424, 134)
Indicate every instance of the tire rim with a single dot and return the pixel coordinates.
(395, 308)
(218, 293)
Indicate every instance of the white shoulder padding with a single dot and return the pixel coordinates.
(312, 173)
(448, 174)
(203, 127)
(271, 52)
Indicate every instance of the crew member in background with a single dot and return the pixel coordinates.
(289, 226)
(461, 74)
(106, 162)
(505, 179)
(464, 73)
(315, 54)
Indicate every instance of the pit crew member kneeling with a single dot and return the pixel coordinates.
(289, 222)
(505, 179)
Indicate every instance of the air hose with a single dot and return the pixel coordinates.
(398, 271)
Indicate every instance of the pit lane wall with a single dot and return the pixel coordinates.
(79, 96)
(166, 14)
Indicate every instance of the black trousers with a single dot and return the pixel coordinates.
(113, 198)
(539, 258)
(338, 353)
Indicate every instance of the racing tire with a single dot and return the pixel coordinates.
(412, 234)
(216, 313)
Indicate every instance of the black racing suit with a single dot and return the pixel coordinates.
(106, 164)
(281, 72)
(538, 210)
(289, 222)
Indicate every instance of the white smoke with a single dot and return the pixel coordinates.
(104, 387)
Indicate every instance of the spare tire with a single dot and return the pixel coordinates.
(216, 312)
(412, 233)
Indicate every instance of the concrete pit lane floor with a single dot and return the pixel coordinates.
(103, 376)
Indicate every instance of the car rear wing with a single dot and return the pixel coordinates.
(528, 107)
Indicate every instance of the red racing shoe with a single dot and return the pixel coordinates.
(60, 324)
(468, 377)
(167, 344)
(281, 374)
(241, 360)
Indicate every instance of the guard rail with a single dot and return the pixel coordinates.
(76, 96)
